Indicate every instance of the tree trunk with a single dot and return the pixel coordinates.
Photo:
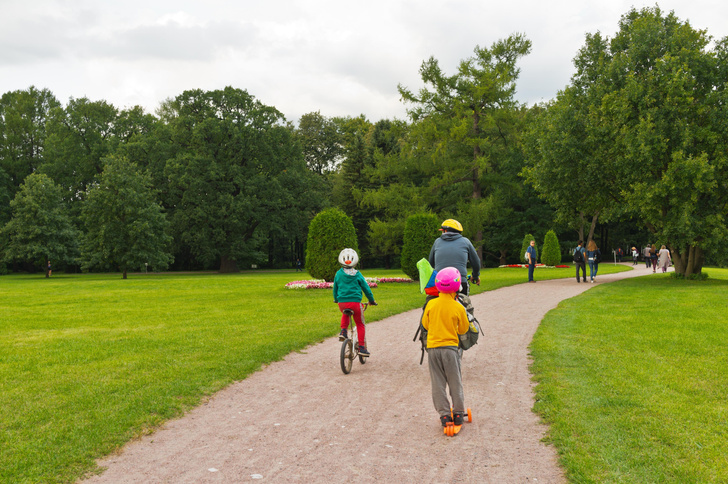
(503, 253)
(580, 230)
(228, 265)
(476, 184)
(592, 227)
(123, 274)
(689, 261)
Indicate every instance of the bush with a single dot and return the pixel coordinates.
(329, 233)
(420, 232)
(526, 242)
(551, 253)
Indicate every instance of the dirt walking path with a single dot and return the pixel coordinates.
(303, 420)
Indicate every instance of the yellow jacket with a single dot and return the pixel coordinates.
(444, 319)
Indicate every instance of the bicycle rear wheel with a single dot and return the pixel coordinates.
(347, 356)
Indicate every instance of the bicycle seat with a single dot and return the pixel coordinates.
(348, 312)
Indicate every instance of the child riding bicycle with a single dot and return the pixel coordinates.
(348, 287)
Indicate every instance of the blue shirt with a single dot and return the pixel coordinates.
(532, 250)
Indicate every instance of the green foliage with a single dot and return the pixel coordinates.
(79, 136)
(457, 157)
(329, 233)
(125, 225)
(238, 179)
(321, 142)
(420, 232)
(524, 246)
(23, 118)
(40, 228)
(551, 252)
(643, 122)
(632, 378)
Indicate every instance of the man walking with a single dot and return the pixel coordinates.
(580, 260)
(531, 255)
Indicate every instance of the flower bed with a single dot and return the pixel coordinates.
(321, 284)
(390, 279)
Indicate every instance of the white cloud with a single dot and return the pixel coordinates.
(340, 58)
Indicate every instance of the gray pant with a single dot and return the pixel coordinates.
(444, 363)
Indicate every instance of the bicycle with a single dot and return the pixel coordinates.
(350, 346)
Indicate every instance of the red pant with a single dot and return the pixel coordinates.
(358, 319)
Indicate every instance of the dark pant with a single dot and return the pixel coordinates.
(531, 267)
(582, 266)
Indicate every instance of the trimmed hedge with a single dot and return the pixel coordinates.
(551, 254)
(420, 232)
(526, 242)
(329, 233)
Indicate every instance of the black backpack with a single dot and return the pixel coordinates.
(578, 255)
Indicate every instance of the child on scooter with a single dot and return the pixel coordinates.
(348, 287)
(444, 319)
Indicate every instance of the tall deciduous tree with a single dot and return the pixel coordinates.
(321, 142)
(40, 228)
(237, 175)
(125, 225)
(23, 117)
(463, 124)
(651, 104)
(79, 136)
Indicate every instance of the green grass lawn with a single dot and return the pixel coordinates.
(633, 380)
(88, 362)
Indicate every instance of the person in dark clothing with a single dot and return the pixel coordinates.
(580, 260)
(531, 253)
(454, 250)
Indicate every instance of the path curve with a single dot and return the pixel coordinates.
(290, 422)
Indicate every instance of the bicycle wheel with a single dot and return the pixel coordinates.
(347, 356)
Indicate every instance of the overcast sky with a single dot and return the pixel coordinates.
(338, 57)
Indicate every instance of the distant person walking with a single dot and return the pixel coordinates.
(299, 266)
(635, 256)
(592, 256)
(653, 258)
(48, 269)
(646, 255)
(579, 262)
(664, 260)
(531, 255)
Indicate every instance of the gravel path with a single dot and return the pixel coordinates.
(302, 419)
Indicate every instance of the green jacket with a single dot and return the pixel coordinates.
(348, 288)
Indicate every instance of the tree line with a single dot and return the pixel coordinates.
(636, 143)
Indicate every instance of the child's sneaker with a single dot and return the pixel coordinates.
(457, 418)
(363, 351)
(445, 419)
(343, 335)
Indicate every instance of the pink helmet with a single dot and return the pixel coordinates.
(448, 280)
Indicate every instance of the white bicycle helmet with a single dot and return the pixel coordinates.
(348, 258)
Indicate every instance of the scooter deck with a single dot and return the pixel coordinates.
(452, 430)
